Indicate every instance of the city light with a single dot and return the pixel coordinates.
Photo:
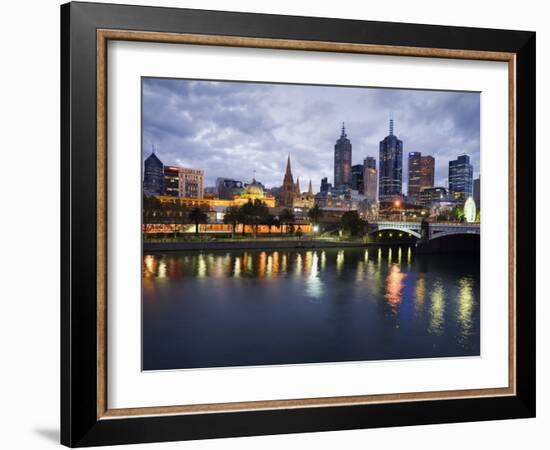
(397, 203)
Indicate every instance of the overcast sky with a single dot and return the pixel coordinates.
(231, 129)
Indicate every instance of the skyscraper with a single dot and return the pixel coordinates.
(288, 191)
(171, 181)
(342, 161)
(325, 186)
(370, 180)
(153, 175)
(413, 183)
(391, 166)
(477, 192)
(427, 172)
(357, 182)
(461, 174)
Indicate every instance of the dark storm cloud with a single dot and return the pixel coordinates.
(233, 129)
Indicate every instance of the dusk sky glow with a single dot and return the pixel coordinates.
(238, 129)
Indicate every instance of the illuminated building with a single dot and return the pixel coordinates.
(427, 171)
(391, 167)
(288, 192)
(413, 183)
(370, 178)
(153, 175)
(191, 182)
(357, 179)
(342, 161)
(432, 195)
(171, 181)
(461, 174)
(305, 201)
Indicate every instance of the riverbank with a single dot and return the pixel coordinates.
(248, 245)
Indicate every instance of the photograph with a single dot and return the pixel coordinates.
(305, 224)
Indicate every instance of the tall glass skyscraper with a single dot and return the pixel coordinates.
(370, 178)
(413, 183)
(427, 172)
(342, 161)
(153, 175)
(391, 167)
(461, 176)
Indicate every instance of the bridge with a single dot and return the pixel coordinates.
(425, 231)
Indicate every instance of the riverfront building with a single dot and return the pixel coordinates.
(461, 174)
(391, 167)
(477, 192)
(427, 172)
(370, 178)
(153, 175)
(413, 184)
(357, 178)
(342, 161)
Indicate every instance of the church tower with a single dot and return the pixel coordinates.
(287, 194)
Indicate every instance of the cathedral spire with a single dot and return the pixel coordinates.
(297, 186)
(310, 189)
(288, 170)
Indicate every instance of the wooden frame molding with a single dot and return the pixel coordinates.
(103, 36)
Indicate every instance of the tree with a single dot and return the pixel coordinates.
(197, 215)
(232, 216)
(352, 223)
(315, 214)
(151, 208)
(287, 218)
(272, 221)
(458, 213)
(255, 213)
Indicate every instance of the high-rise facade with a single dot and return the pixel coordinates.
(391, 167)
(342, 161)
(461, 174)
(370, 178)
(172, 181)
(357, 181)
(477, 192)
(427, 172)
(413, 183)
(191, 183)
(153, 175)
(326, 187)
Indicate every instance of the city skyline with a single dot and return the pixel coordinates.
(248, 129)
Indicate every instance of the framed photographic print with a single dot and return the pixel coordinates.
(277, 224)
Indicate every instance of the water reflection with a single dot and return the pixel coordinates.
(359, 295)
(465, 307)
(437, 309)
(394, 286)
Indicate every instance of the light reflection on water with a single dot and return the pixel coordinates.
(433, 300)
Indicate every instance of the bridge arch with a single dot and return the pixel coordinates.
(396, 230)
(453, 233)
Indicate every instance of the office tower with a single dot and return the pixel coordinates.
(413, 183)
(342, 161)
(461, 178)
(427, 172)
(391, 167)
(153, 175)
(357, 182)
(370, 178)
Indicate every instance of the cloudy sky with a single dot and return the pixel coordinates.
(236, 129)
